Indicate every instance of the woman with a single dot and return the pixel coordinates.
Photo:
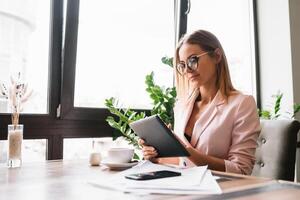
(218, 124)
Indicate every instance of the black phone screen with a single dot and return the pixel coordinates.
(153, 175)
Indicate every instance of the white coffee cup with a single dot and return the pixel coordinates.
(120, 155)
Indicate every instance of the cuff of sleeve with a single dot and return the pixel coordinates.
(231, 167)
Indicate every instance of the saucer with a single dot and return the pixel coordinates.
(118, 166)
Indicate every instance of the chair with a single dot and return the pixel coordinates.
(276, 151)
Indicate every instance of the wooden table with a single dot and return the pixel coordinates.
(68, 180)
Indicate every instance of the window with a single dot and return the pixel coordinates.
(119, 43)
(30, 36)
(97, 50)
(24, 39)
(232, 22)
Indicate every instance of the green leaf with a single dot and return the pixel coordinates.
(296, 109)
(128, 131)
(123, 128)
(277, 105)
(136, 157)
(113, 123)
(265, 114)
(132, 116)
(167, 60)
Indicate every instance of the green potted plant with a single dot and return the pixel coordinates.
(274, 113)
(163, 100)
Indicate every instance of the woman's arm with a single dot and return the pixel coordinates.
(196, 157)
(200, 159)
(241, 155)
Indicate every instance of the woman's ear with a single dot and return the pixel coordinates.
(218, 55)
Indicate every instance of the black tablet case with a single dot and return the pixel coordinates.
(155, 133)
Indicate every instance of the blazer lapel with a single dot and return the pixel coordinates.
(206, 118)
(184, 112)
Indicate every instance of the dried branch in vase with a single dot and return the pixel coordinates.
(17, 94)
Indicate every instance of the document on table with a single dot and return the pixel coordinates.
(195, 180)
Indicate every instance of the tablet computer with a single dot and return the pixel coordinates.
(155, 133)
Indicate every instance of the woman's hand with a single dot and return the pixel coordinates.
(149, 152)
(201, 159)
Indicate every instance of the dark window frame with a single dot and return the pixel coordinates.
(68, 111)
(48, 126)
(256, 52)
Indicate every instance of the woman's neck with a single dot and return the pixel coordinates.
(208, 94)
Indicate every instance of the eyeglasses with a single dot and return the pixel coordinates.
(192, 63)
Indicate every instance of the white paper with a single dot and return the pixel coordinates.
(195, 180)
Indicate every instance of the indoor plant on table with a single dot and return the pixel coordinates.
(163, 100)
(17, 94)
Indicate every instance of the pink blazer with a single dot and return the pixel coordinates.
(226, 130)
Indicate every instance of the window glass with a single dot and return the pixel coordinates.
(32, 150)
(119, 43)
(232, 22)
(24, 39)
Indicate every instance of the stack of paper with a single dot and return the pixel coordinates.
(196, 180)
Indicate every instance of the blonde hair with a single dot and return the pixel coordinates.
(207, 42)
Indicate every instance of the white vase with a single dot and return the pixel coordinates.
(15, 138)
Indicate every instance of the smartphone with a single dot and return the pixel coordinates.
(153, 175)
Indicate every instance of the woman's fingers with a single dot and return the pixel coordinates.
(169, 126)
(150, 155)
(141, 142)
(148, 148)
(149, 152)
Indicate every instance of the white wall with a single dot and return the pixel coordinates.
(275, 51)
(279, 30)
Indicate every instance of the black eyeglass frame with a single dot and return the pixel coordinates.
(190, 64)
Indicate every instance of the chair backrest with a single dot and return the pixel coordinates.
(276, 152)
